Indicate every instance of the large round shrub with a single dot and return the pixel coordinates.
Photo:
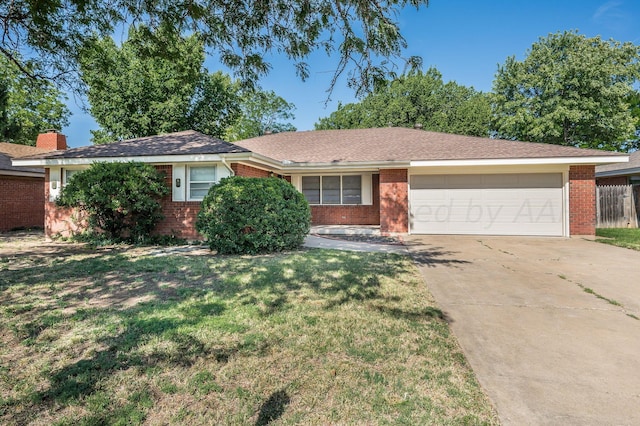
(253, 215)
(119, 200)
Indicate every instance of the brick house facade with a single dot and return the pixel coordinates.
(362, 177)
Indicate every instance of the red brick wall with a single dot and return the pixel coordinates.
(248, 171)
(394, 201)
(21, 202)
(57, 221)
(582, 200)
(613, 180)
(179, 216)
(350, 215)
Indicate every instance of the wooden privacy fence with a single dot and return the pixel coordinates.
(618, 206)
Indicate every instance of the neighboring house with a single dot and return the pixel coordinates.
(403, 180)
(21, 189)
(620, 174)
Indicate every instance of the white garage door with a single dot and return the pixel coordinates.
(487, 204)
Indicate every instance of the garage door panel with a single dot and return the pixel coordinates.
(487, 204)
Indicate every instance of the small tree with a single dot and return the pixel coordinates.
(254, 215)
(120, 200)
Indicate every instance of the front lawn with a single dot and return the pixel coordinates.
(622, 237)
(157, 335)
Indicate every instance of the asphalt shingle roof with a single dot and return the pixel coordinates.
(634, 163)
(188, 142)
(12, 150)
(399, 144)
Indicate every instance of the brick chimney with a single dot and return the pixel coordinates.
(51, 140)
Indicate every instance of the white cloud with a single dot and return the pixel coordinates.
(608, 10)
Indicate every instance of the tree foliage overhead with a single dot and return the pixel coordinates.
(154, 83)
(261, 112)
(569, 90)
(27, 107)
(414, 98)
(363, 34)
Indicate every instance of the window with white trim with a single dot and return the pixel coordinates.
(201, 178)
(332, 189)
(68, 173)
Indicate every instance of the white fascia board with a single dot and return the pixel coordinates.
(266, 162)
(159, 159)
(21, 174)
(340, 167)
(619, 172)
(521, 161)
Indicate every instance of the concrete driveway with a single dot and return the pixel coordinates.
(550, 326)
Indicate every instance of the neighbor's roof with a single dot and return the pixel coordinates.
(633, 166)
(8, 151)
(400, 144)
(188, 142)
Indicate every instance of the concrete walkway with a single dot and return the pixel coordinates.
(550, 326)
(336, 244)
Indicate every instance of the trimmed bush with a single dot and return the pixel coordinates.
(120, 201)
(253, 215)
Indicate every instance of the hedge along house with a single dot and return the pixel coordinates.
(403, 180)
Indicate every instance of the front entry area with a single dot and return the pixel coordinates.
(487, 204)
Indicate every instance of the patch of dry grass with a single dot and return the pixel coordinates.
(126, 336)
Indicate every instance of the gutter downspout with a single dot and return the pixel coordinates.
(224, 163)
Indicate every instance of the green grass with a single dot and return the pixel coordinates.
(123, 336)
(621, 237)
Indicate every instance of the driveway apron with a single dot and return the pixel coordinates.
(551, 326)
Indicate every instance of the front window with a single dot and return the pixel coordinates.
(332, 189)
(68, 173)
(200, 180)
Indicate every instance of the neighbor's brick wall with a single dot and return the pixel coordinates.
(582, 200)
(350, 215)
(613, 180)
(21, 202)
(394, 200)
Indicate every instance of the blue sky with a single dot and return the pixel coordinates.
(464, 39)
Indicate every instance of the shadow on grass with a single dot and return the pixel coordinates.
(178, 293)
(427, 313)
(273, 408)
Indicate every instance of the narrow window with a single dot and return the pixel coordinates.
(352, 189)
(68, 173)
(200, 180)
(311, 189)
(330, 189)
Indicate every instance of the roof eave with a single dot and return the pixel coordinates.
(21, 173)
(152, 159)
(299, 167)
(523, 161)
(619, 172)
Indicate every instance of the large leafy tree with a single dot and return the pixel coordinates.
(28, 107)
(155, 83)
(363, 34)
(569, 90)
(417, 98)
(261, 112)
